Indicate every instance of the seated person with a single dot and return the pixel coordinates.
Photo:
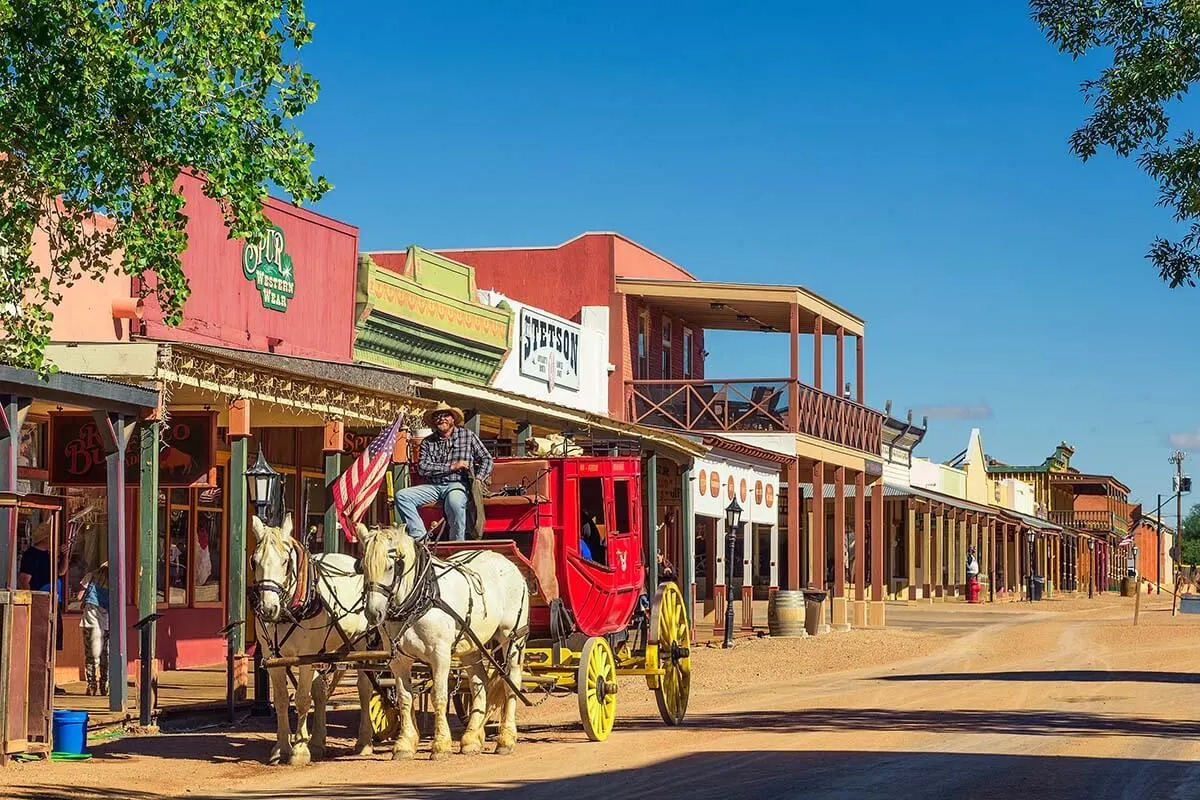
(591, 544)
(447, 460)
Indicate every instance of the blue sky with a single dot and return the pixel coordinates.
(908, 161)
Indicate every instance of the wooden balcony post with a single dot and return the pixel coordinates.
(818, 335)
(795, 510)
(860, 386)
(860, 549)
(927, 554)
(794, 385)
(841, 361)
(838, 589)
(876, 610)
(910, 547)
(817, 567)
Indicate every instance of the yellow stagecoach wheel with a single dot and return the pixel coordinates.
(385, 717)
(669, 627)
(596, 685)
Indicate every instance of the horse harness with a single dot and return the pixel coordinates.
(425, 595)
(304, 603)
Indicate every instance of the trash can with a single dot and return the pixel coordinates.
(814, 600)
(1039, 587)
(1127, 589)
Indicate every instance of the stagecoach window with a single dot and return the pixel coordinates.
(593, 534)
(623, 521)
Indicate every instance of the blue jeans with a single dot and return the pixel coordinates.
(452, 496)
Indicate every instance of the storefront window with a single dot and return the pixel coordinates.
(314, 513)
(209, 573)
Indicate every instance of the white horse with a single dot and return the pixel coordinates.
(292, 602)
(480, 588)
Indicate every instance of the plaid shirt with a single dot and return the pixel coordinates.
(437, 454)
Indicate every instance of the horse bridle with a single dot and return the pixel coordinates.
(423, 591)
(296, 601)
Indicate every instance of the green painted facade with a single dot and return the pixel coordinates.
(429, 321)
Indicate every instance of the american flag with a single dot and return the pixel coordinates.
(1127, 540)
(355, 489)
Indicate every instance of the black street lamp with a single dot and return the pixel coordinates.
(733, 521)
(265, 488)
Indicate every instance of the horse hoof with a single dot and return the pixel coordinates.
(317, 753)
(277, 757)
(301, 757)
(402, 755)
(364, 750)
(471, 748)
(505, 743)
(439, 755)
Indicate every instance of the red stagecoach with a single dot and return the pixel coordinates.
(574, 527)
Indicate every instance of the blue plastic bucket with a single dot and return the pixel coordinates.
(70, 731)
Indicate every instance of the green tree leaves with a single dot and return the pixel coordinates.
(102, 104)
(1189, 550)
(1155, 50)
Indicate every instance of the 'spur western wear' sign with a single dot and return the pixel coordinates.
(187, 457)
(549, 350)
(268, 265)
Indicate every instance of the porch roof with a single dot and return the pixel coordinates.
(68, 389)
(716, 305)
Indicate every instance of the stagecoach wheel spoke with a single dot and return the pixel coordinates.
(669, 627)
(385, 717)
(596, 685)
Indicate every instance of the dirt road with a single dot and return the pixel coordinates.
(951, 701)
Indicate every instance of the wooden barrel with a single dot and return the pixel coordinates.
(785, 614)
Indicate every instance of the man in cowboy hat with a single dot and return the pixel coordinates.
(447, 460)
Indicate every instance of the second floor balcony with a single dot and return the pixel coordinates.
(796, 404)
(767, 405)
(1091, 521)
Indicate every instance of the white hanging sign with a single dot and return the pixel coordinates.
(549, 350)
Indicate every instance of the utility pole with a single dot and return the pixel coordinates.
(1177, 459)
(1159, 553)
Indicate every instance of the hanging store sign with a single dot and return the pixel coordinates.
(269, 266)
(549, 350)
(187, 455)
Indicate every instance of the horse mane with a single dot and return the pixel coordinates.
(377, 547)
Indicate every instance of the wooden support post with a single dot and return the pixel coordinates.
(838, 589)
(861, 387)
(114, 430)
(524, 434)
(13, 411)
(817, 567)
(651, 517)
(876, 611)
(148, 546)
(861, 553)
(818, 336)
(939, 555)
(910, 547)
(927, 553)
(239, 450)
(841, 361)
(333, 443)
(688, 530)
(795, 510)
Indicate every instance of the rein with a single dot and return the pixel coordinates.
(303, 602)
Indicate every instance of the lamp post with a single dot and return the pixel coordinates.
(733, 521)
(1029, 538)
(264, 489)
(1136, 571)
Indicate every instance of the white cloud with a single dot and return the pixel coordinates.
(982, 411)
(1185, 441)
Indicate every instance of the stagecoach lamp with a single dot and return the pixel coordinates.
(1091, 544)
(733, 515)
(261, 481)
(1030, 537)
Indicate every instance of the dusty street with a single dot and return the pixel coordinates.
(1068, 700)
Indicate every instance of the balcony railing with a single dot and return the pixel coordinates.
(762, 405)
(1096, 521)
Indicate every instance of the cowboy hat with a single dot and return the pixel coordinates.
(441, 407)
(41, 534)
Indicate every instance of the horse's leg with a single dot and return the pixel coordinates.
(440, 669)
(473, 736)
(300, 752)
(405, 746)
(322, 690)
(282, 751)
(514, 652)
(366, 732)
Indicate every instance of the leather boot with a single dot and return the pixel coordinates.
(89, 671)
(104, 674)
